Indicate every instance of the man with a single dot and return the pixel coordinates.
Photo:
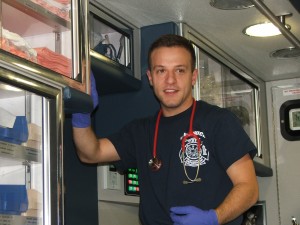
(194, 159)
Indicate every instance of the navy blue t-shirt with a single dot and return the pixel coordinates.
(223, 141)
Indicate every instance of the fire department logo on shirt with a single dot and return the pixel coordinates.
(190, 155)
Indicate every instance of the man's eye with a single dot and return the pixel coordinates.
(179, 70)
(160, 71)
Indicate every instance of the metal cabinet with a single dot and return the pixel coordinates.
(44, 49)
(31, 175)
(114, 50)
(48, 38)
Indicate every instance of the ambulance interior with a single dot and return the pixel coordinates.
(271, 64)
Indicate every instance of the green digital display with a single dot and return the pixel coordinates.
(290, 120)
(294, 117)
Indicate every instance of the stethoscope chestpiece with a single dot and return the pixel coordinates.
(155, 164)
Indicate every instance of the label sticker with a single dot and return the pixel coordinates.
(294, 91)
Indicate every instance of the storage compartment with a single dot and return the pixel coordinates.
(13, 199)
(21, 151)
(47, 38)
(220, 85)
(114, 52)
(111, 40)
(38, 32)
(31, 103)
(222, 81)
(17, 134)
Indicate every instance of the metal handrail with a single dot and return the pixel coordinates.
(274, 19)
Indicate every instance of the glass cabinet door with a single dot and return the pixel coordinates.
(46, 33)
(113, 43)
(225, 82)
(219, 85)
(27, 187)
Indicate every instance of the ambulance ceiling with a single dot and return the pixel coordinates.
(224, 28)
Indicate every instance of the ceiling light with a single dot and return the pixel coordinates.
(286, 53)
(263, 30)
(231, 4)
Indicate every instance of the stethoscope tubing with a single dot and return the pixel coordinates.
(155, 163)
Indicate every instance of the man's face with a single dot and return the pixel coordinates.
(172, 78)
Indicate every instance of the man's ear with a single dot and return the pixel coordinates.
(195, 76)
(149, 76)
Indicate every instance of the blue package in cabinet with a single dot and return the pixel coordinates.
(16, 135)
(13, 199)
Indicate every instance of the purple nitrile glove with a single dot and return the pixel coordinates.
(191, 215)
(82, 120)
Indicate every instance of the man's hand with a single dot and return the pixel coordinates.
(191, 215)
(82, 120)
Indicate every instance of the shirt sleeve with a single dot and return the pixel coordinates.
(231, 142)
(125, 146)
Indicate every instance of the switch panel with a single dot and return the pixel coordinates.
(131, 181)
(112, 179)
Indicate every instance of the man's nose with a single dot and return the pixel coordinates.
(170, 78)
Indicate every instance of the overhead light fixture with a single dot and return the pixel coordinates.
(231, 4)
(279, 25)
(267, 29)
(263, 30)
(286, 53)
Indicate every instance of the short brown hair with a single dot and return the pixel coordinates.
(172, 40)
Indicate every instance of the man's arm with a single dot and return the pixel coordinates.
(93, 150)
(244, 192)
(89, 148)
(242, 196)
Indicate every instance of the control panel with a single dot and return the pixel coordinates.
(131, 182)
(116, 187)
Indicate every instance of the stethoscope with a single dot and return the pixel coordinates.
(155, 163)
